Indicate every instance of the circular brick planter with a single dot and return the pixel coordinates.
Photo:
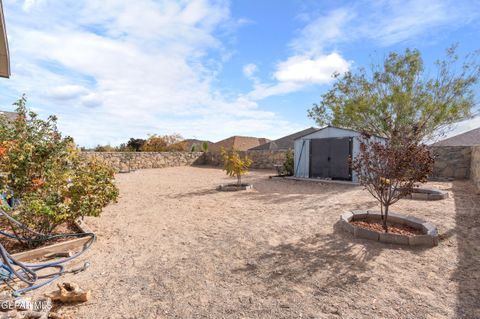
(427, 194)
(429, 238)
(234, 187)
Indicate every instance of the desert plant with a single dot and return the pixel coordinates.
(205, 146)
(193, 148)
(104, 148)
(50, 181)
(400, 94)
(234, 165)
(288, 163)
(390, 170)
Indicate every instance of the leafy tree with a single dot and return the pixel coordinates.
(401, 96)
(390, 171)
(234, 165)
(205, 146)
(135, 144)
(289, 163)
(49, 180)
(165, 143)
(104, 148)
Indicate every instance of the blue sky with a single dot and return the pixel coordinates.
(112, 69)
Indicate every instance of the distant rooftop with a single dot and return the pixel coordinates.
(240, 143)
(11, 116)
(469, 138)
(285, 142)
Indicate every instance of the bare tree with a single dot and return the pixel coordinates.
(390, 170)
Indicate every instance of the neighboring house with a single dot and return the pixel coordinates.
(326, 154)
(469, 138)
(240, 143)
(11, 116)
(284, 143)
(4, 54)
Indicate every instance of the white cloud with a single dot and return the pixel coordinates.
(66, 92)
(304, 69)
(383, 22)
(115, 69)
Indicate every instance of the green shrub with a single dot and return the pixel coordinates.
(288, 164)
(47, 176)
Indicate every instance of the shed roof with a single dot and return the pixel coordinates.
(469, 138)
(4, 54)
(337, 128)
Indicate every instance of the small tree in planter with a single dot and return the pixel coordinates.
(234, 165)
(391, 170)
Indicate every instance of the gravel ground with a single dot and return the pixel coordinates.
(174, 247)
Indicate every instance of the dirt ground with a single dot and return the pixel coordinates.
(174, 247)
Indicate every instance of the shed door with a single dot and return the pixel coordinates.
(340, 152)
(330, 158)
(319, 157)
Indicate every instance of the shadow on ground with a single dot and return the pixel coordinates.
(467, 230)
(328, 261)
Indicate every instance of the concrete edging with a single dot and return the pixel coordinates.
(234, 187)
(427, 194)
(429, 238)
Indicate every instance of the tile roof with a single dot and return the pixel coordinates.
(240, 143)
(284, 143)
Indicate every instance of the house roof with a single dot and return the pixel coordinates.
(4, 54)
(284, 143)
(469, 138)
(11, 116)
(240, 143)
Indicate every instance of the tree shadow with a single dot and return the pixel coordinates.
(336, 260)
(467, 231)
(196, 193)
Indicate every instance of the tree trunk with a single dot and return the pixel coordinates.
(385, 219)
(239, 180)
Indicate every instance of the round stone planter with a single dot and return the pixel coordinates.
(427, 194)
(428, 238)
(234, 187)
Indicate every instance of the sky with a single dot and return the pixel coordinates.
(115, 69)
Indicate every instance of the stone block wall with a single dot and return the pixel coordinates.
(452, 161)
(261, 159)
(475, 166)
(125, 161)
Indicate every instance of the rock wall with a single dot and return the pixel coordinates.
(261, 159)
(452, 161)
(125, 161)
(475, 166)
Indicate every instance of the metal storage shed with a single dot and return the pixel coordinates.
(326, 153)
